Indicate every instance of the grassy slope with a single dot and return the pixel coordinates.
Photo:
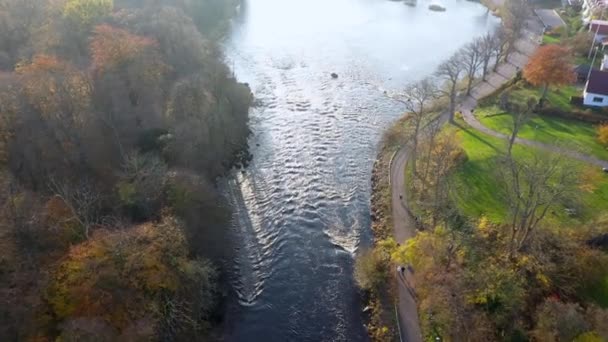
(479, 190)
(570, 134)
(479, 187)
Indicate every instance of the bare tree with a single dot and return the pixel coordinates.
(486, 53)
(450, 71)
(429, 140)
(417, 98)
(516, 14)
(142, 184)
(532, 187)
(499, 45)
(472, 61)
(440, 152)
(83, 201)
(520, 117)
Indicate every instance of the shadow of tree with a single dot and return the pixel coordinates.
(473, 133)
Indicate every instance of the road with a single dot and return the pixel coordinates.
(403, 223)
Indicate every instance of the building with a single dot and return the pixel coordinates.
(591, 6)
(599, 28)
(596, 89)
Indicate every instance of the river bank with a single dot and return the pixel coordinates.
(394, 147)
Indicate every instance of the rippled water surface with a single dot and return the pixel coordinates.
(302, 206)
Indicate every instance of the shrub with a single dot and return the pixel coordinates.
(370, 270)
(602, 134)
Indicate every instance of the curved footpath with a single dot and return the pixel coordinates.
(472, 121)
(403, 223)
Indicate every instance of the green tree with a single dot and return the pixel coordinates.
(87, 12)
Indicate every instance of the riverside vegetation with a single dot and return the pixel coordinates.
(512, 239)
(115, 119)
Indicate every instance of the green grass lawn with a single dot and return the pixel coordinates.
(479, 188)
(557, 98)
(575, 135)
(551, 39)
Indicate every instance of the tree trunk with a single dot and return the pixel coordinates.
(452, 102)
(545, 90)
(484, 69)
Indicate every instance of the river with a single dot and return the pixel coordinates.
(302, 206)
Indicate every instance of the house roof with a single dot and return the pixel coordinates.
(598, 82)
(601, 26)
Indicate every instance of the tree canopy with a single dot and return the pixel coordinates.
(549, 66)
(116, 117)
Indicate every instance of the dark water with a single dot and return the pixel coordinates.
(302, 207)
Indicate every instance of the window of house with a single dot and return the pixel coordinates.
(598, 99)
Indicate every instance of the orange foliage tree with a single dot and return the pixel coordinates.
(130, 276)
(111, 46)
(55, 88)
(57, 103)
(549, 66)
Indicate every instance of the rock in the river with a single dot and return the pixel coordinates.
(334, 75)
(437, 8)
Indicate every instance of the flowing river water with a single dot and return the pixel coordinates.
(301, 209)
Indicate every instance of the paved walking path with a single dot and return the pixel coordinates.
(404, 224)
(506, 72)
(472, 121)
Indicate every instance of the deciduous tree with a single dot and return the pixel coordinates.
(450, 71)
(516, 13)
(472, 61)
(557, 321)
(417, 98)
(533, 187)
(87, 12)
(499, 45)
(486, 53)
(549, 66)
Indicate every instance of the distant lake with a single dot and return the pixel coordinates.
(302, 206)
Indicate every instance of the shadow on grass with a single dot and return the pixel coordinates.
(479, 189)
(498, 114)
(473, 133)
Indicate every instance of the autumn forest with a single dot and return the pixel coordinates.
(115, 119)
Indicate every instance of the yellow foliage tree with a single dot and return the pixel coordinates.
(87, 12)
(602, 134)
(124, 277)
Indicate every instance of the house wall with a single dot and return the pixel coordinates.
(589, 97)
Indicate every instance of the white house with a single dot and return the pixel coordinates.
(590, 6)
(596, 89)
